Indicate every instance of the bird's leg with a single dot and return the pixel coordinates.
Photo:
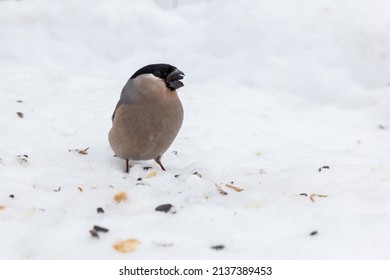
(158, 160)
(127, 165)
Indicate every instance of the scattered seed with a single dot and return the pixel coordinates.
(84, 152)
(237, 189)
(22, 159)
(197, 174)
(142, 183)
(323, 167)
(152, 173)
(146, 168)
(19, 101)
(321, 195)
(262, 171)
(313, 233)
(80, 189)
(94, 233)
(57, 190)
(303, 194)
(164, 208)
(381, 126)
(20, 114)
(139, 179)
(2, 207)
(218, 247)
(126, 246)
(100, 229)
(11, 196)
(177, 175)
(120, 196)
(80, 151)
(316, 195)
(100, 210)
(221, 191)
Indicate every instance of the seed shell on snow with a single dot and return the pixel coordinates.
(237, 189)
(221, 191)
(164, 208)
(80, 151)
(197, 174)
(22, 159)
(323, 167)
(100, 229)
(218, 247)
(311, 197)
(94, 233)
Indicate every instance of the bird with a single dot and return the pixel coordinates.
(148, 115)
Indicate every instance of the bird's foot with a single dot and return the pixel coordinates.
(158, 160)
(127, 166)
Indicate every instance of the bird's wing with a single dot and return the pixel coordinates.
(127, 96)
(116, 108)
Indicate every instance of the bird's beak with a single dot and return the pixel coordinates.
(173, 79)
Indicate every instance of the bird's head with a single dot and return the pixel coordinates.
(168, 73)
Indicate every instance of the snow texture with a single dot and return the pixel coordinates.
(274, 91)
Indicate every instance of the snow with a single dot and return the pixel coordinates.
(273, 91)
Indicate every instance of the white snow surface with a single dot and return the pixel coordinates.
(273, 91)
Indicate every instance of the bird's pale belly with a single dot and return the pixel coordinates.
(146, 135)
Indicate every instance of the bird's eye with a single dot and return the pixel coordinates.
(157, 73)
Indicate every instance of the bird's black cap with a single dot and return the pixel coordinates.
(170, 74)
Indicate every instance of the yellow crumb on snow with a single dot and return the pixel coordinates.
(120, 196)
(151, 174)
(126, 246)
